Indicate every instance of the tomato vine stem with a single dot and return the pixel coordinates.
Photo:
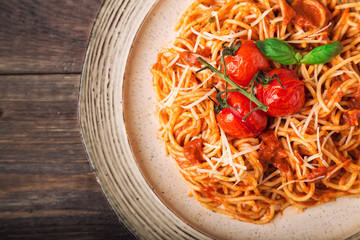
(250, 96)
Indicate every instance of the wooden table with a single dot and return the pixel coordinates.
(47, 187)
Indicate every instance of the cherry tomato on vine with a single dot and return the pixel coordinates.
(230, 115)
(246, 62)
(282, 101)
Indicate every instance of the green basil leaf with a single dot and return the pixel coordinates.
(322, 54)
(278, 50)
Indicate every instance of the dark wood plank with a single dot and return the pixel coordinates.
(47, 36)
(56, 87)
(47, 187)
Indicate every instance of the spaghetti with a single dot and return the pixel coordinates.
(321, 142)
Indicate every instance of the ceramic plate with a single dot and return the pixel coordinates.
(120, 133)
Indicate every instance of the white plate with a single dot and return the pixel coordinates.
(120, 133)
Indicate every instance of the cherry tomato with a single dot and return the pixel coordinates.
(282, 101)
(248, 60)
(231, 119)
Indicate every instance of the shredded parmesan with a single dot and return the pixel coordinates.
(174, 60)
(227, 153)
(212, 146)
(319, 32)
(198, 86)
(269, 177)
(296, 131)
(350, 135)
(306, 41)
(210, 171)
(196, 44)
(339, 107)
(308, 119)
(249, 150)
(263, 15)
(275, 20)
(326, 138)
(213, 90)
(250, 16)
(194, 69)
(178, 48)
(214, 14)
(226, 38)
(305, 180)
(289, 145)
(249, 34)
(194, 113)
(175, 91)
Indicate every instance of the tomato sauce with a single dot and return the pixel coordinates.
(310, 13)
(287, 12)
(209, 193)
(271, 152)
(357, 94)
(354, 103)
(190, 58)
(193, 151)
(334, 94)
(320, 171)
(352, 117)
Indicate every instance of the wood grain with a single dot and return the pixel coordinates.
(47, 187)
(47, 36)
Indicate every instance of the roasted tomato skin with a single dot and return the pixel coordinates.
(248, 60)
(230, 119)
(282, 101)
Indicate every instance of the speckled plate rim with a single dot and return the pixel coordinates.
(127, 192)
(124, 190)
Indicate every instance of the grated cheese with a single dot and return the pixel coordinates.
(174, 60)
(212, 146)
(286, 36)
(250, 16)
(326, 138)
(319, 32)
(286, 126)
(269, 177)
(350, 135)
(203, 6)
(175, 90)
(309, 159)
(194, 69)
(210, 171)
(306, 41)
(289, 145)
(355, 5)
(199, 34)
(305, 180)
(194, 113)
(178, 48)
(214, 14)
(275, 20)
(226, 38)
(296, 131)
(319, 147)
(198, 86)
(261, 17)
(172, 89)
(339, 107)
(227, 153)
(308, 119)
(249, 150)
(196, 44)
(264, 28)
(213, 90)
(249, 34)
